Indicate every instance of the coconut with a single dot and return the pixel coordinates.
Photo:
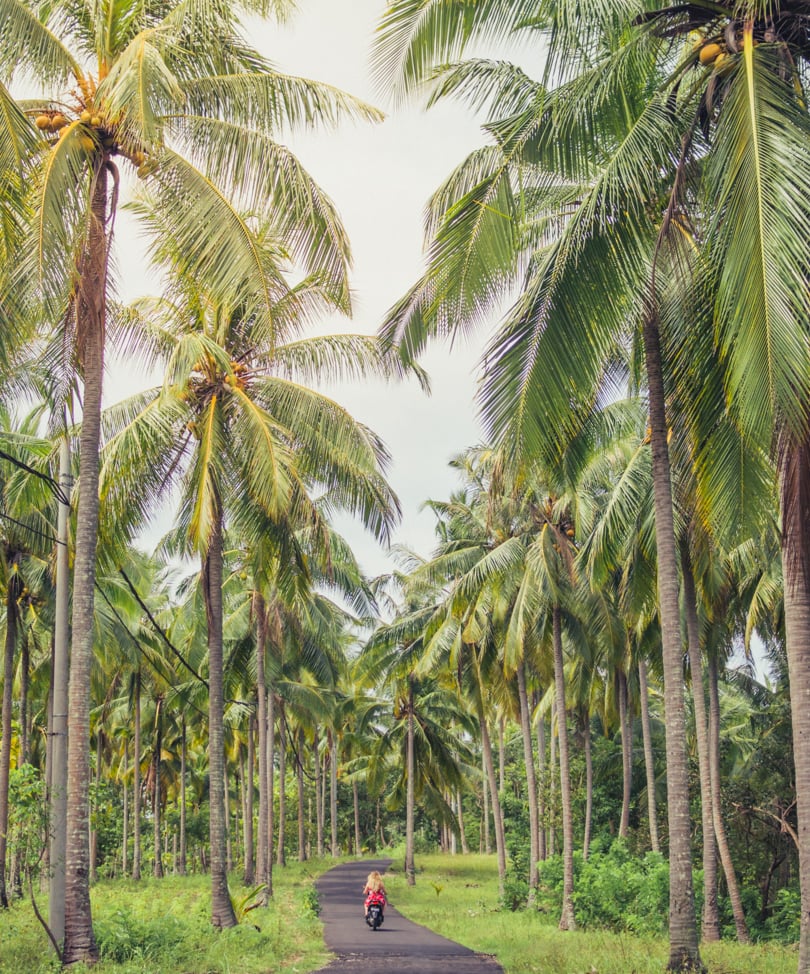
(708, 53)
(43, 122)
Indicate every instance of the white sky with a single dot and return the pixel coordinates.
(380, 177)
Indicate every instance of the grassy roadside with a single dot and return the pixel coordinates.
(163, 927)
(457, 896)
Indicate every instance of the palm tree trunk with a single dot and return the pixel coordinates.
(25, 669)
(627, 755)
(12, 590)
(136, 783)
(485, 804)
(552, 785)
(465, 849)
(333, 778)
(319, 794)
(271, 761)
(531, 781)
(226, 791)
(222, 914)
(156, 800)
(250, 872)
(541, 780)
(94, 832)
(567, 921)
(410, 866)
(501, 753)
(264, 852)
(586, 737)
(59, 704)
(717, 814)
(91, 313)
(711, 918)
(794, 489)
(181, 864)
(282, 786)
(489, 764)
(649, 763)
(125, 827)
(683, 938)
(358, 841)
(299, 776)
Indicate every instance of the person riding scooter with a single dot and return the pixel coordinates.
(374, 891)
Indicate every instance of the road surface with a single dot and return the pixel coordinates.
(399, 946)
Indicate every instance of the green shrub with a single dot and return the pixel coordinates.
(613, 890)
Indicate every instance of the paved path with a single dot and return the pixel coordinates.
(399, 943)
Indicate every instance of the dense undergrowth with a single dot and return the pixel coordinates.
(458, 897)
(163, 927)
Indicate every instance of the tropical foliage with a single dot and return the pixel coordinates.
(567, 679)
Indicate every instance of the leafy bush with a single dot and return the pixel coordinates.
(613, 890)
(123, 937)
(309, 900)
(783, 923)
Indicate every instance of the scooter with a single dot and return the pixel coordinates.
(374, 910)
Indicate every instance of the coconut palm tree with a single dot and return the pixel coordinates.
(174, 94)
(234, 427)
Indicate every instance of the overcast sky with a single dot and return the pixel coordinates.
(380, 177)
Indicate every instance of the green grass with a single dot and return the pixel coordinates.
(163, 927)
(458, 897)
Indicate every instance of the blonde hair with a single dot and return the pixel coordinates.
(374, 881)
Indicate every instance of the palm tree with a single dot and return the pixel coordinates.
(174, 93)
(243, 440)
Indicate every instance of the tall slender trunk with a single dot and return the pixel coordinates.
(358, 841)
(711, 918)
(684, 954)
(156, 799)
(410, 866)
(226, 790)
(319, 795)
(91, 313)
(567, 921)
(250, 872)
(94, 831)
(717, 814)
(59, 701)
(282, 786)
(649, 763)
(485, 805)
(271, 762)
(222, 914)
(794, 489)
(627, 754)
(501, 753)
(136, 783)
(264, 852)
(541, 781)
(25, 670)
(181, 862)
(12, 590)
(531, 781)
(125, 827)
(333, 789)
(299, 777)
(461, 830)
(489, 764)
(586, 737)
(552, 785)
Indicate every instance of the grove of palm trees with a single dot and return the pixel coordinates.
(594, 680)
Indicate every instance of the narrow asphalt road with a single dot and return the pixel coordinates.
(411, 948)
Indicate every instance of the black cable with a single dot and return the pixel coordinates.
(140, 648)
(33, 530)
(160, 631)
(57, 488)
